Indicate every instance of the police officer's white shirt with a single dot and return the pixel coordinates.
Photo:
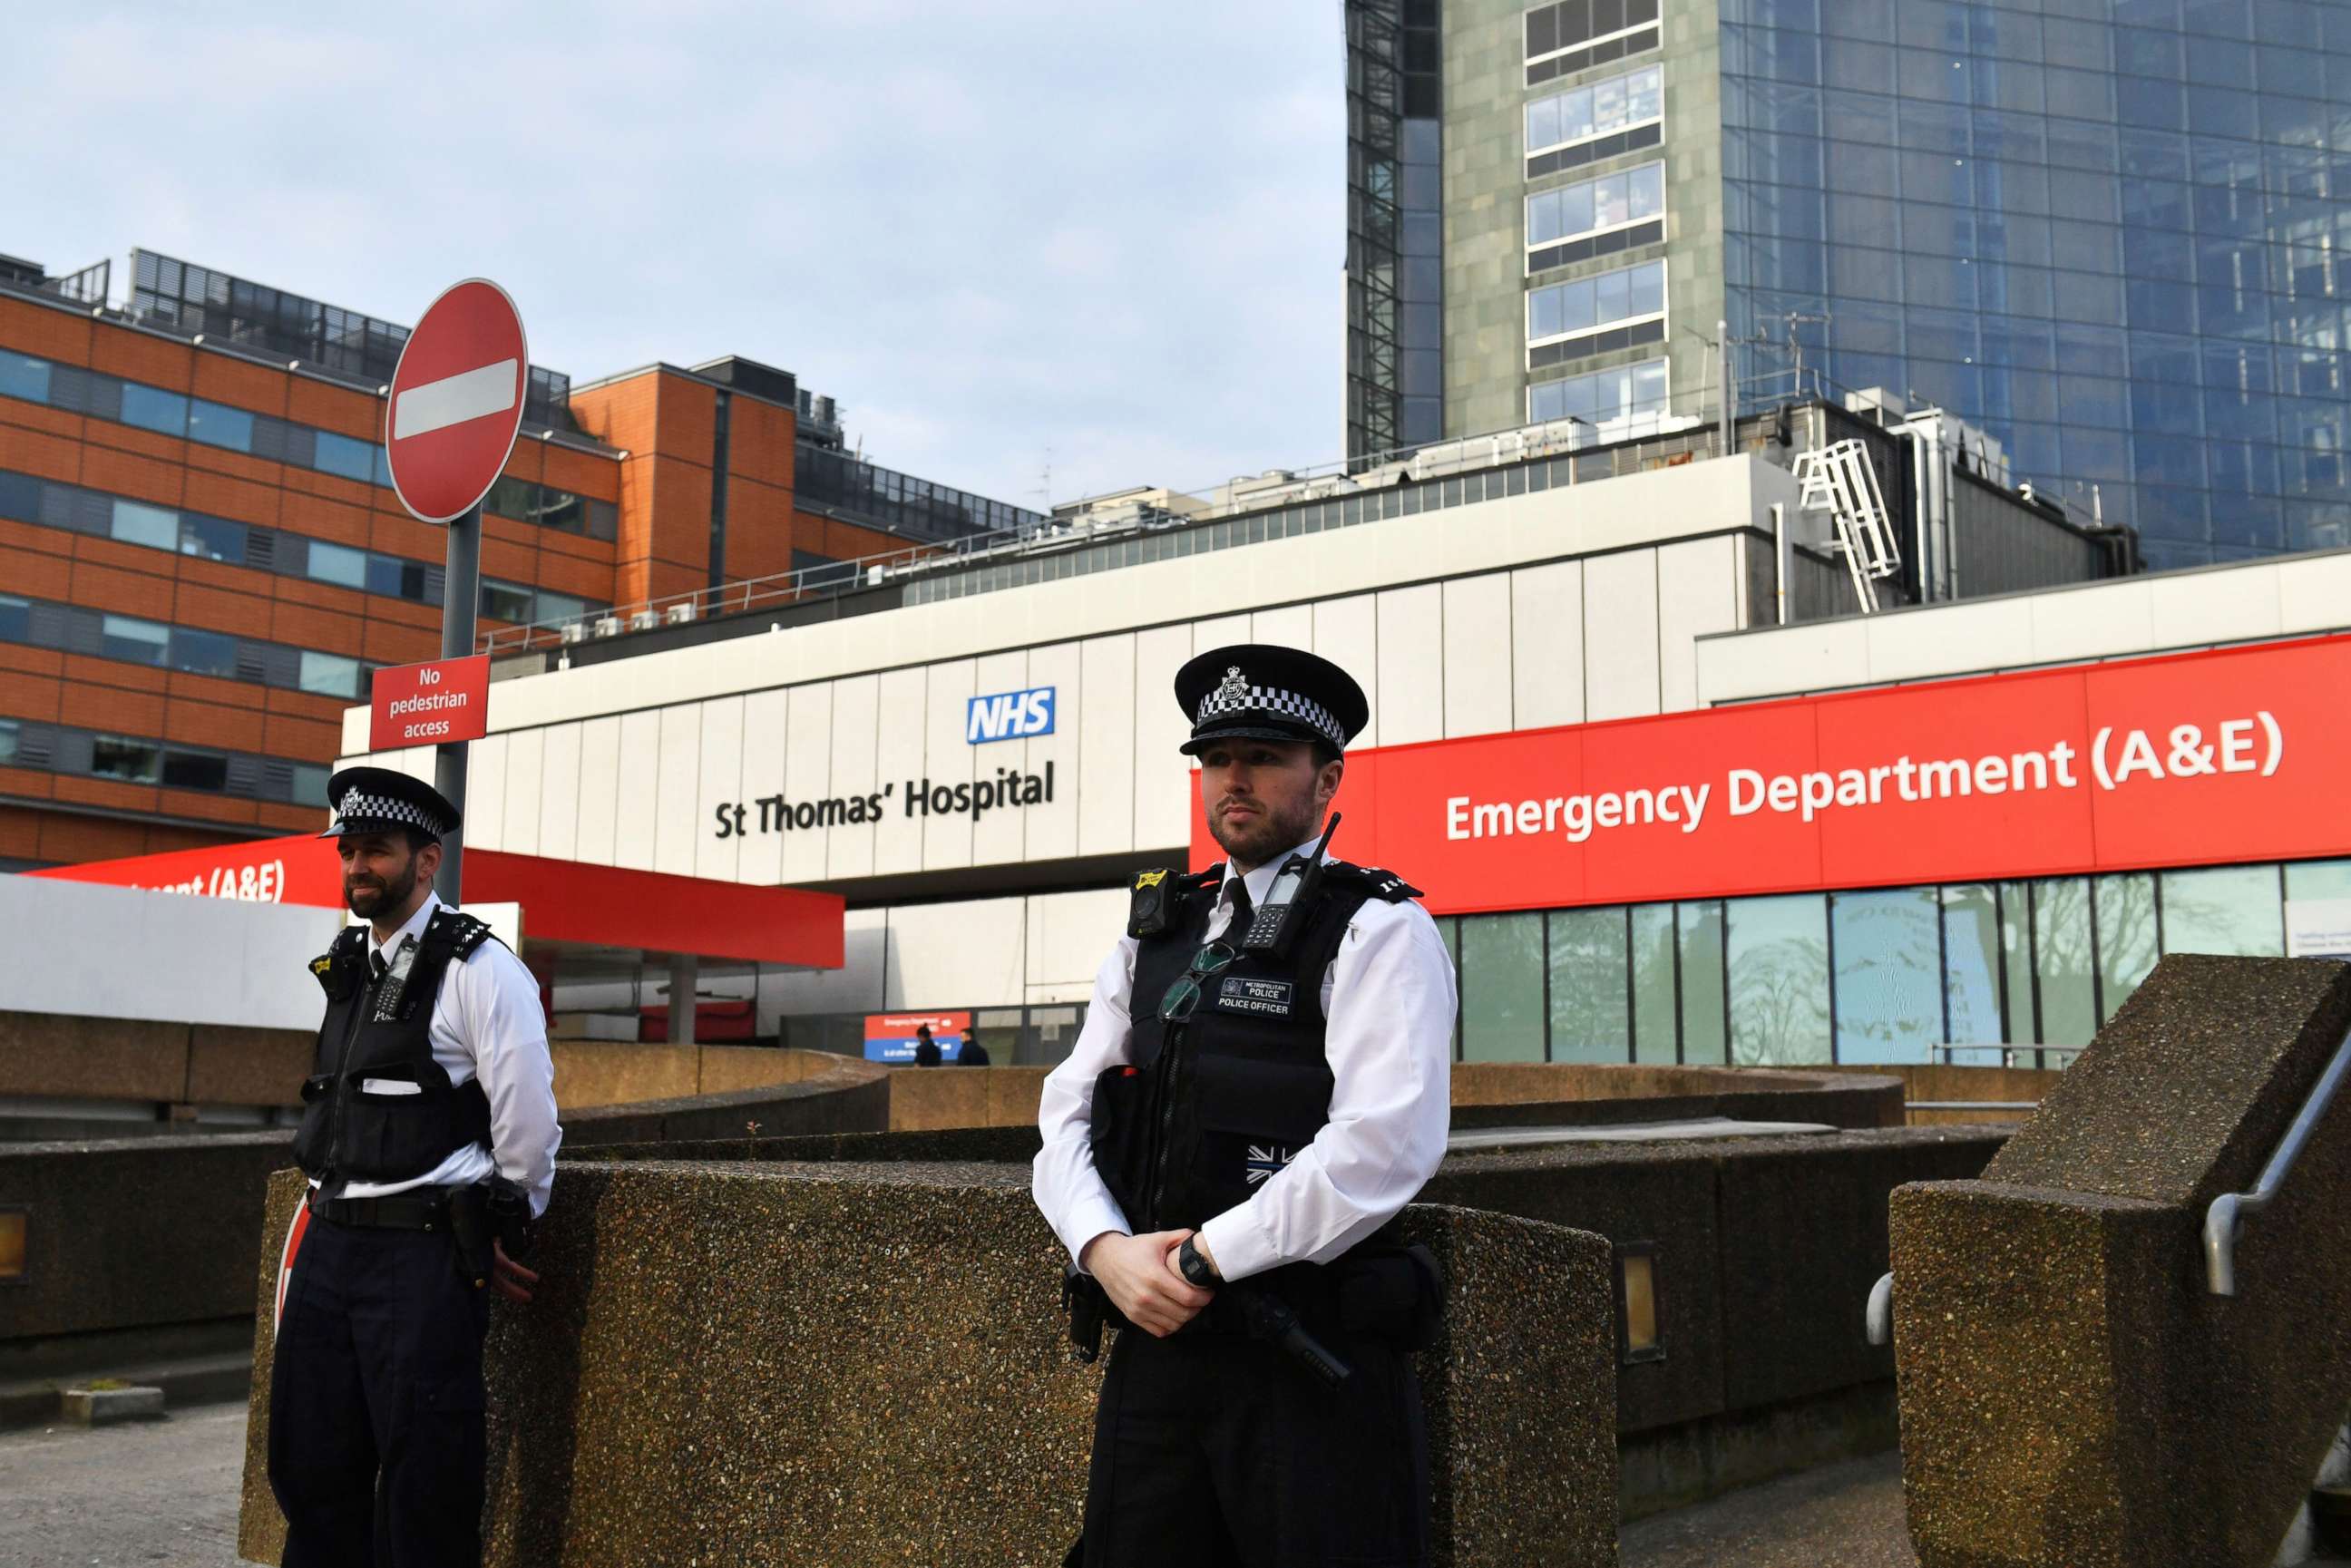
(1388, 1004)
(487, 1023)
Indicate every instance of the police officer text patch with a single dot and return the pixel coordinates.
(1243, 995)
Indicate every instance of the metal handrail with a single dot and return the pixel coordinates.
(1879, 1320)
(1971, 1105)
(2004, 1046)
(2228, 1210)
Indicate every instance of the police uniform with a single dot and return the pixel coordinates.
(431, 1088)
(1286, 1111)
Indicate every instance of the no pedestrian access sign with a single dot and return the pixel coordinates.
(456, 401)
(433, 703)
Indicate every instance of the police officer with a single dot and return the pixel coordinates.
(1261, 1083)
(429, 1135)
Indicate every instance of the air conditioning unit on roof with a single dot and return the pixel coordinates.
(573, 631)
(679, 614)
(644, 620)
(607, 626)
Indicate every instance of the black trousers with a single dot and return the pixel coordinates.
(1212, 1450)
(375, 1403)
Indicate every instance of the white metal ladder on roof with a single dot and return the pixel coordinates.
(1838, 479)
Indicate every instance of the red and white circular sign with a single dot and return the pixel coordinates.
(456, 401)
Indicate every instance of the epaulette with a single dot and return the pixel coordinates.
(460, 931)
(1158, 898)
(1373, 881)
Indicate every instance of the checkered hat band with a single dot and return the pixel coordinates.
(360, 806)
(1275, 701)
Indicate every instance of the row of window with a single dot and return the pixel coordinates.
(2134, 102)
(1312, 518)
(32, 500)
(1597, 108)
(134, 759)
(2073, 35)
(88, 392)
(1570, 35)
(1875, 977)
(1611, 201)
(103, 634)
(825, 480)
(1621, 391)
(1587, 304)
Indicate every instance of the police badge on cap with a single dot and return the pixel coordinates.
(380, 801)
(1257, 691)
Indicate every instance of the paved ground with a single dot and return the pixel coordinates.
(1848, 1514)
(124, 1497)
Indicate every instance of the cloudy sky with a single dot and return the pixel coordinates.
(1101, 235)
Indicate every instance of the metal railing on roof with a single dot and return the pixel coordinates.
(1007, 558)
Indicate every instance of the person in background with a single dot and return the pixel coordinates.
(926, 1050)
(973, 1053)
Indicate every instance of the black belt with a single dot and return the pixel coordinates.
(426, 1209)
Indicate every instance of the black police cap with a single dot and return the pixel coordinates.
(1258, 691)
(383, 800)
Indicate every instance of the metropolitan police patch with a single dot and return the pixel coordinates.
(1242, 994)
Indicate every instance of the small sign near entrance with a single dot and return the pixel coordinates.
(442, 702)
(890, 1037)
(456, 401)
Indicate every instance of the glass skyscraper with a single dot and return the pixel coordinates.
(2108, 233)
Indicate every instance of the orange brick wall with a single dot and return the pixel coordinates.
(36, 817)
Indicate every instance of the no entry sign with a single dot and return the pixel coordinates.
(456, 401)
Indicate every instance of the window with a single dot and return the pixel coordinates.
(1596, 217)
(153, 526)
(309, 784)
(1502, 987)
(1777, 953)
(1699, 931)
(16, 619)
(215, 425)
(1570, 309)
(1971, 972)
(1598, 108)
(341, 454)
(212, 538)
(1573, 34)
(23, 376)
(151, 408)
(2064, 967)
(204, 652)
(337, 564)
(131, 762)
(2229, 909)
(139, 641)
(390, 575)
(8, 730)
(1889, 974)
(505, 602)
(195, 770)
(1588, 991)
(329, 675)
(1600, 396)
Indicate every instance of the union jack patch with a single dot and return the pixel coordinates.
(1264, 1160)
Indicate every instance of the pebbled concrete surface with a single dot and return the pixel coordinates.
(1847, 1514)
(158, 1494)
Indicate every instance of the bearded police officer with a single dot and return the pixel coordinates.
(429, 1135)
(1261, 1083)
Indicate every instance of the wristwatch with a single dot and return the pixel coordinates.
(1195, 1268)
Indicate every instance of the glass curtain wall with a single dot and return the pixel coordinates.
(2112, 236)
(1975, 973)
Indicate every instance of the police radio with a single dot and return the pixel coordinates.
(1275, 924)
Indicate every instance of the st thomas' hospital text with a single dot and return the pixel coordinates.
(2115, 760)
(774, 814)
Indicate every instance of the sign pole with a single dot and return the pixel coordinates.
(461, 602)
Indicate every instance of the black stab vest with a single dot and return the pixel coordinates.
(1211, 1108)
(361, 1121)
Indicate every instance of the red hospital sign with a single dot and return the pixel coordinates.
(2189, 759)
(430, 705)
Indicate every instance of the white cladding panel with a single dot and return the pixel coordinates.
(719, 784)
(526, 750)
(1620, 635)
(1347, 633)
(1161, 773)
(1547, 644)
(766, 727)
(1052, 828)
(1697, 593)
(1104, 713)
(898, 751)
(559, 794)
(641, 745)
(599, 788)
(856, 703)
(808, 774)
(997, 838)
(485, 790)
(1478, 654)
(1291, 626)
(946, 762)
(1411, 664)
(944, 955)
(676, 784)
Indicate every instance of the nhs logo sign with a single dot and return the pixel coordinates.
(1009, 716)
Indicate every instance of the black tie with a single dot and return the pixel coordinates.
(375, 960)
(1236, 928)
